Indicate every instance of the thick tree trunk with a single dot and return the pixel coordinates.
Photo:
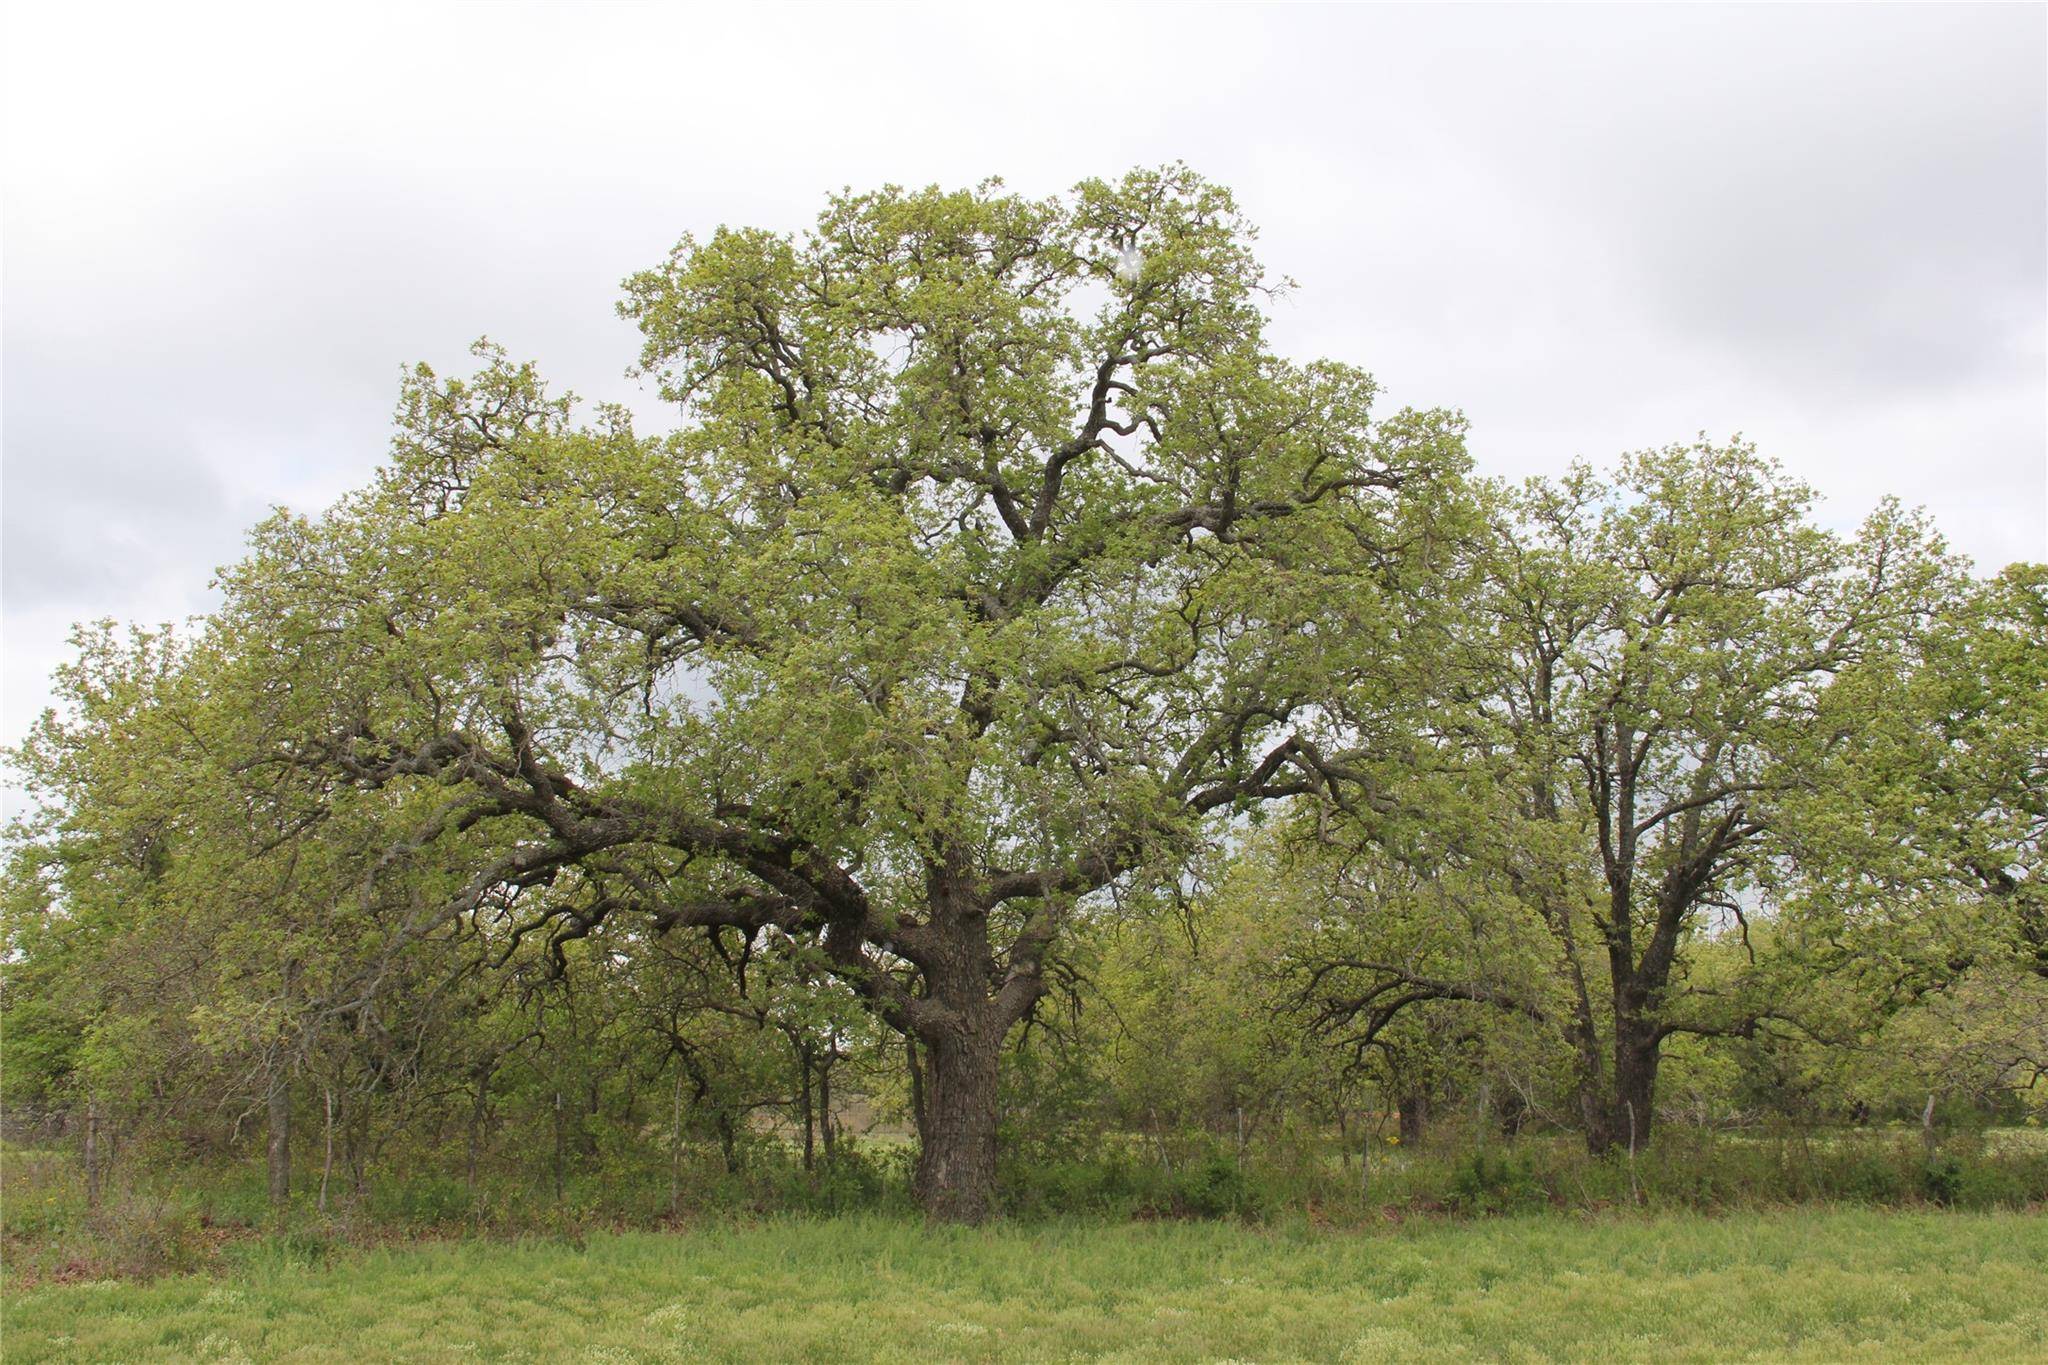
(1621, 1104)
(956, 1165)
(971, 1002)
(1636, 1089)
(279, 1151)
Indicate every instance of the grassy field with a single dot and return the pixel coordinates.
(1795, 1286)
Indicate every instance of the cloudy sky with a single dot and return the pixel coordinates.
(1593, 229)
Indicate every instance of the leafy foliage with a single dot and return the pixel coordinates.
(1019, 708)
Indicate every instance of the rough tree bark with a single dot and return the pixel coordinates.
(961, 1030)
(1620, 1104)
(956, 1165)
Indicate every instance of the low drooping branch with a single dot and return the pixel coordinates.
(1360, 1016)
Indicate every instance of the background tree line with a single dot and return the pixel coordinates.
(1018, 710)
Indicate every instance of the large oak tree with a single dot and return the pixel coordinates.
(997, 561)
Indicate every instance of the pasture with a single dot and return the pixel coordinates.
(1834, 1285)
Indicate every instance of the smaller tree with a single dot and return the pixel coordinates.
(1654, 680)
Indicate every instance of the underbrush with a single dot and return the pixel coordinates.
(164, 1217)
(1692, 1171)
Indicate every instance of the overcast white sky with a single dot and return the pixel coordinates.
(1593, 229)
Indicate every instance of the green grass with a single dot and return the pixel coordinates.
(1845, 1285)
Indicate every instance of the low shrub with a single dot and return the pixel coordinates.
(1942, 1178)
(143, 1235)
(1213, 1187)
(424, 1200)
(1486, 1183)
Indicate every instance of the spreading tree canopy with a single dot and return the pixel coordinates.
(996, 565)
